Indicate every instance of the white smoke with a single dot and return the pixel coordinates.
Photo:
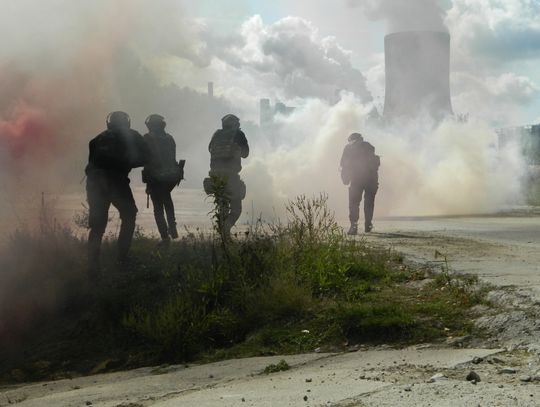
(455, 168)
(498, 98)
(409, 15)
(99, 56)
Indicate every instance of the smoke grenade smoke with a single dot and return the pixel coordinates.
(454, 168)
(92, 58)
(103, 56)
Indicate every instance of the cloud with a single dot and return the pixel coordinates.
(501, 30)
(499, 99)
(288, 56)
(490, 41)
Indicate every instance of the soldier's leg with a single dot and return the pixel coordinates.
(169, 210)
(122, 199)
(234, 213)
(355, 197)
(236, 190)
(98, 207)
(369, 206)
(157, 195)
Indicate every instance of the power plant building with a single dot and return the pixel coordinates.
(417, 75)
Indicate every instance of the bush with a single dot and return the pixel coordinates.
(278, 274)
(280, 288)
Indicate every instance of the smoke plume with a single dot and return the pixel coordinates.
(455, 168)
(143, 58)
(410, 15)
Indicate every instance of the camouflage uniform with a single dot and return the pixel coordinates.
(360, 171)
(113, 154)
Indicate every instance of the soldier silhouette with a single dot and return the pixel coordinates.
(360, 170)
(112, 155)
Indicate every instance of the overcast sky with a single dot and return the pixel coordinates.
(495, 43)
(287, 50)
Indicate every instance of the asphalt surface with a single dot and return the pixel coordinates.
(501, 249)
(366, 377)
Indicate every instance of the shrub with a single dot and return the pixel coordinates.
(280, 288)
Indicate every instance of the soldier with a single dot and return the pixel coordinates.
(161, 174)
(359, 170)
(113, 154)
(227, 147)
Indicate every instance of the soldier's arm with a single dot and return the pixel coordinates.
(241, 140)
(146, 152)
(344, 162)
(91, 156)
(377, 162)
(143, 150)
(91, 149)
(173, 147)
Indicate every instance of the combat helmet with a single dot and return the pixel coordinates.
(355, 137)
(230, 121)
(118, 120)
(155, 122)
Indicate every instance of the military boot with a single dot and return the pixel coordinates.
(353, 230)
(173, 232)
(368, 227)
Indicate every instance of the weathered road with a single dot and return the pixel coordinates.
(365, 378)
(503, 250)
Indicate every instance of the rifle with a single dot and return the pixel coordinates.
(181, 165)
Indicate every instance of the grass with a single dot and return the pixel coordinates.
(277, 289)
(282, 366)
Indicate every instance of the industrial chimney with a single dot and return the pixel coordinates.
(417, 75)
(211, 90)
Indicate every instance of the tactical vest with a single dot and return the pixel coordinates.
(223, 146)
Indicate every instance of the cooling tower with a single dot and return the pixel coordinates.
(417, 75)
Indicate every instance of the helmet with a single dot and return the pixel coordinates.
(118, 120)
(155, 122)
(230, 121)
(356, 136)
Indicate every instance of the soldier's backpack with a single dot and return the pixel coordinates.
(373, 161)
(171, 174)
(223, 145)
(163, 169)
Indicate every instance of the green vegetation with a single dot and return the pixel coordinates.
(276, 289)
(278, 367)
